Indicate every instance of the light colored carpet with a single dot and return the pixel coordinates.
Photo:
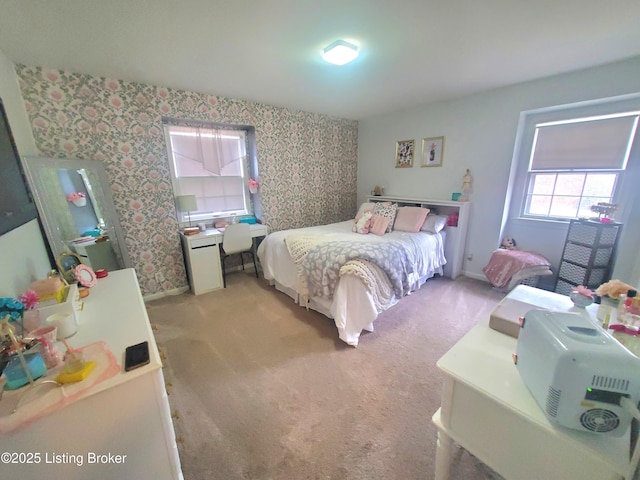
(263, 389)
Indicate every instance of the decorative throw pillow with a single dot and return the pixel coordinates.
(363, 225)
(365, 207)
(386, 209)
(410, 219)
(379, 225)
(434, 223)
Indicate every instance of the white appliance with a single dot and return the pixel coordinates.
(577, 372)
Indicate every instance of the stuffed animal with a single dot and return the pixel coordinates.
(362, 225)
(508, 243)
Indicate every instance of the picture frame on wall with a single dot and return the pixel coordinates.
(404, 153)
(432, 152)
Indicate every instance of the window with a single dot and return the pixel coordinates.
(211, 162)
(577, 163)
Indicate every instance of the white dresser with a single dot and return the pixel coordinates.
(120, 429)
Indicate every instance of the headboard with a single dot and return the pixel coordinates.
(456, 238)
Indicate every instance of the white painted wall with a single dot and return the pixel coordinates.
(480, 132)
(23, 254)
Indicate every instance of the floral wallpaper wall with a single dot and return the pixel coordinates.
(306, 162)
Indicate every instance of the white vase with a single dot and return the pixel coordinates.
(80, 202)
(253, 190)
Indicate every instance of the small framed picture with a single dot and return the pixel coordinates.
(404, 153)
(432, 152)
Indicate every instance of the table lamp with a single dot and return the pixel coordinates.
(187, 203)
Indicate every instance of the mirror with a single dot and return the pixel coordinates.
(76, 208)
(67, 262)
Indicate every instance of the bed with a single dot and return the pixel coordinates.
(349, 277)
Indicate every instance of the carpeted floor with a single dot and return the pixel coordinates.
(263, 389)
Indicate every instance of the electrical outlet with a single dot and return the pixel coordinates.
(470, 256)
(159, 277)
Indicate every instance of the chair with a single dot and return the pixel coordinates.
(237, 239)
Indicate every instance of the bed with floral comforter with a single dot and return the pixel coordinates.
(347, 276)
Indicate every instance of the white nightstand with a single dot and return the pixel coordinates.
(202, 258)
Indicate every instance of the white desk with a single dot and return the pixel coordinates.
(202, 258)
(127, 414)
(488, 410)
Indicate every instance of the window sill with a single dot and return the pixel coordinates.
(550, 222)
(544, 219)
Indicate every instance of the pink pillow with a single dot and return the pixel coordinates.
(410, 219)
(379, 224)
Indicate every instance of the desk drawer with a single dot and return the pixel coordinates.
(203, 242)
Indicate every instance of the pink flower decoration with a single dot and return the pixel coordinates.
(29, 299)
(72, 197)
(582, 290)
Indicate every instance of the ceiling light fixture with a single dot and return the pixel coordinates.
(340, 52)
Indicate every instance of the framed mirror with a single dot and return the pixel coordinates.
(67, 263)
(76, 208)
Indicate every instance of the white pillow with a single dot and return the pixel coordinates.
(434, 223)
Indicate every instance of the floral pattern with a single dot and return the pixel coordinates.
(306, 161)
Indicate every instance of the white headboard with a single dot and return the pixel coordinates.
(456, 238)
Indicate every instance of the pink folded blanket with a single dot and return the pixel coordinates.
(506, 263)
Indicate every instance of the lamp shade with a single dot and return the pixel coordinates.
(186, 203)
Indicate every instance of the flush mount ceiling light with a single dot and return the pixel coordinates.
(340, 52)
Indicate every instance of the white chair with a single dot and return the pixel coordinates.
(237, 239)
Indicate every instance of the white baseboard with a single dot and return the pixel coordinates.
(178, 291)
(475, 276)
(155, 296)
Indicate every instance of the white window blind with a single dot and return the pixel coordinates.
(586, 144)
(210, 163)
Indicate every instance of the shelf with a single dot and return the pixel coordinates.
(455, 236)
(588, 255)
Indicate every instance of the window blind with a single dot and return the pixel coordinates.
(210, 164)
(595, 144)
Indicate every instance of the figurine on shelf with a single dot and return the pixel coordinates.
(606, 209)
(467, 180)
